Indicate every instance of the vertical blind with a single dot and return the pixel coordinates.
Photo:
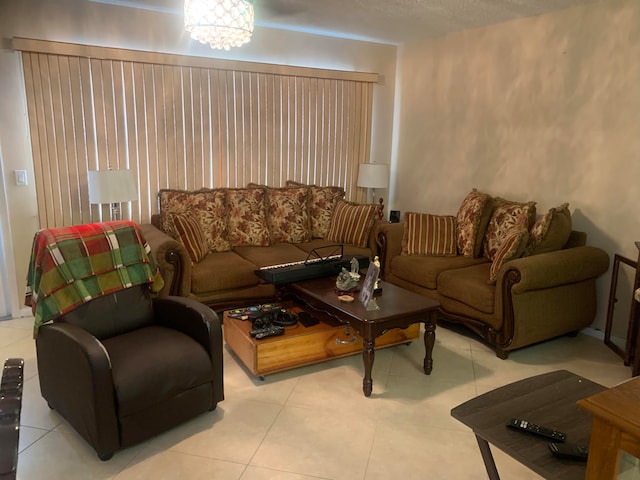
(185, 122)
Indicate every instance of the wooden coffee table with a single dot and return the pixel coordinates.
(398, 308)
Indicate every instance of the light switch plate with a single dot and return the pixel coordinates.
(21, 177)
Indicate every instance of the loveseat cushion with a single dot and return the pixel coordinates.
(322, 201)
(208, 206)
(288, 214)
(425, 271)
(247, 212)
(351, 223)
(507, 216)
(222, 271)
(551, 231)
(471, 222)
(190, 366)
(426, 234)
(469, 286)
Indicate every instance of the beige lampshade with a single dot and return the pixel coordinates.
(373, 175)
(112, 186)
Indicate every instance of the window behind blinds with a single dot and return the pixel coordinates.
(185, 123)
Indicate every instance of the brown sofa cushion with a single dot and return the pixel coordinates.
(551, 231)
(426, 234)
(248, 217)
(351, 223)
(222, 271)
(469, 286)
(506, 216)
(208, 206)
(425, 270)
(322, 201)
(471, 221)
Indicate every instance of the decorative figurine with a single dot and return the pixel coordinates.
(376, 262)
(348, 280)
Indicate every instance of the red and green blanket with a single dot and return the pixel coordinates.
(71, 265)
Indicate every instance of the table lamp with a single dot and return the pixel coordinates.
(112, 186)
(374, 175)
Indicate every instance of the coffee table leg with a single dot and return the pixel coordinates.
(429, 341)
(489, 463)
(368, 355)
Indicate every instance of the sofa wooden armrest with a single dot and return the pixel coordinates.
(172, 259)
(389, 240)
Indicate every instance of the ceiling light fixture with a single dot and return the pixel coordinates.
(220, 23)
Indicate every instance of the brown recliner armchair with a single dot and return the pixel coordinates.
(124, 367)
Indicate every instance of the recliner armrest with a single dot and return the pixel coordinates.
(556, 268)
(75, 378)
(199, 322)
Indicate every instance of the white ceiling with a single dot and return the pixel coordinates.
(385, 21)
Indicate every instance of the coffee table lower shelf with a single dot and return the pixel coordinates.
(302, 345)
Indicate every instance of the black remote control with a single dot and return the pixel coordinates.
(270, 332)
(528, 427)
(307, 320)
(570, 451)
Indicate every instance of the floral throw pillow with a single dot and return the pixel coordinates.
(247, 211)
(426, 234)
(471, 221)
(550, 232)
(288, 214)
(322, 201)
(512, 247)
(207, 206)
(351, 223)
(507, 216)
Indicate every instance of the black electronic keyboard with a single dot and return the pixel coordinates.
(310, 268)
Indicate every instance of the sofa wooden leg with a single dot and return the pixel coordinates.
(503, 354)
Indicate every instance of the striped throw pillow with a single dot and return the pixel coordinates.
(191, 236)
(426, 234)
(351, 223)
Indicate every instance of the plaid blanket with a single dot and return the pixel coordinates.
(71, 265)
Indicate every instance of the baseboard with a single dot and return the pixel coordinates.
(592, 332)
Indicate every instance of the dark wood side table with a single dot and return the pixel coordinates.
(548, 400)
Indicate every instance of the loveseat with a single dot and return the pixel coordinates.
(209, 243)
(496, 267)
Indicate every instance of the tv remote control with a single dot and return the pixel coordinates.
(270, 332)
(525, 426)
(570, 450)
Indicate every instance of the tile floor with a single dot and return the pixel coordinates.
(314, 422)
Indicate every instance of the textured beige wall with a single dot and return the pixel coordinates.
(544, 109)
(81, 21)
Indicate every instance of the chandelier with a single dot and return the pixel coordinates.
(220, 23)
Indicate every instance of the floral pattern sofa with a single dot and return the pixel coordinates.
(208, 243)
(496, 267)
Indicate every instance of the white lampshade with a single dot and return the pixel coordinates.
(112, 186)
(373, 175)
(220, 23)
